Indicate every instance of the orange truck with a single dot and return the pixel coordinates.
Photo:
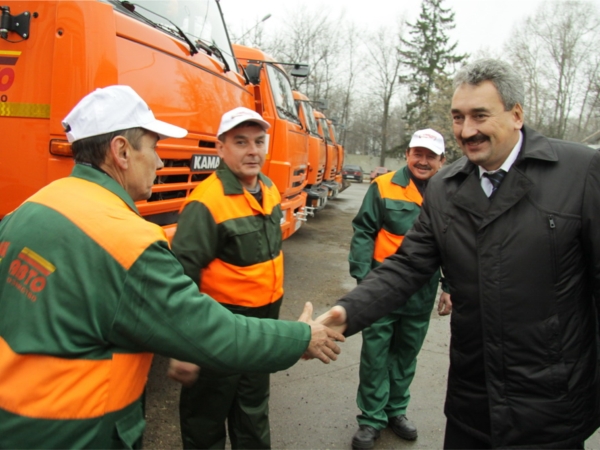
(340, 160)
(332, 152)
(316, 192)
(287, 157)
(175, 54)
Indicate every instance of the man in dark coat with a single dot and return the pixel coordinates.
(514, 225)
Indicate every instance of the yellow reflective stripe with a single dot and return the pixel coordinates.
(35, 110)
(39, 259)
(10, 53)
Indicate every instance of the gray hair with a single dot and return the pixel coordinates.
(93, 149)
(507, 81)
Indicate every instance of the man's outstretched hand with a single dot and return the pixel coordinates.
(322, 340)
(335, 319)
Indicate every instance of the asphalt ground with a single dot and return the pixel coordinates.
(313, 405)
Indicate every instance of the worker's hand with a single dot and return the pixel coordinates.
(444, 304)
(322, 339)
(335, 319)
(183, 372)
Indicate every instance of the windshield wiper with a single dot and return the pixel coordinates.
(177, 31)
(211, 49)
(286, 113)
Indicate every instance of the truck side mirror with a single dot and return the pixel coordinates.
(300, 70)
(253, 73)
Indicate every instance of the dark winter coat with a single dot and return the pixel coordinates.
(523, 270)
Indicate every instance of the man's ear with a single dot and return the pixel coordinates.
(119, 152)
(518, 116)
(219, 148)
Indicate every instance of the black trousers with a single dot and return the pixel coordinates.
(455, 438)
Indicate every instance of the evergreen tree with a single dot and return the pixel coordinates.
(429, 57)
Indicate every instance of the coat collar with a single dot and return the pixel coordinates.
(469, 195)
(106, 181)
(401, 177)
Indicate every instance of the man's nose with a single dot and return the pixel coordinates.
(253, 148)
(469, 128)
(423, 160)
(159, 162)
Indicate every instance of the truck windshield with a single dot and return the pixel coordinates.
(333, 133)
(311, 123)
(325, 128)
(198, 19)
(282, 93)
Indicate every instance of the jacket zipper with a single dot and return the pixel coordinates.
(552, 225)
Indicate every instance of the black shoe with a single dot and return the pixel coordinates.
(365, 437)
(403, 427)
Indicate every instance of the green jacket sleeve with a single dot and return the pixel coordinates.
(196, 241)
(161, 311)
(366, 224)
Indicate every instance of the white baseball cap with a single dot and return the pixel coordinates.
(111, 109)
(430, 139)
(233, 118)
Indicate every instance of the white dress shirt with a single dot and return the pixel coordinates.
(486, 184)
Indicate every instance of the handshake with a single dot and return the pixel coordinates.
(325, 331)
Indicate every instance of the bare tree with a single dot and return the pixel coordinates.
(351, 45)
(331, 46)
(384, 70)
(556, 50)
(313, 37)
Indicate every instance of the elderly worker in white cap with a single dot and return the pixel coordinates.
(228, 240)
(89, 290)
(391, 345)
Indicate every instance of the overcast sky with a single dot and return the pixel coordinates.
(479, 23)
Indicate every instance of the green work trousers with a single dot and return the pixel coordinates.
(387, 366)
(241, 399)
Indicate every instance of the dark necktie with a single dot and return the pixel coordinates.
(495, 178)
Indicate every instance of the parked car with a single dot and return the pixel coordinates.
(352, 172)
(378, 171)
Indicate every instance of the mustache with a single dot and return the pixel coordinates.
(474, 139)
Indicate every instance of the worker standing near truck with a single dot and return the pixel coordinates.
(229, 241)
(391, 345)
(89, 290)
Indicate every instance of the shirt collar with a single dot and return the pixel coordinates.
(512, 157)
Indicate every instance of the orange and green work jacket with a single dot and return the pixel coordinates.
(230, 244)
(88, 291)
(389, 209)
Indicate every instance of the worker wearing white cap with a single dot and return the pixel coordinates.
(229, 241)
(90, 290)
(391, 345)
